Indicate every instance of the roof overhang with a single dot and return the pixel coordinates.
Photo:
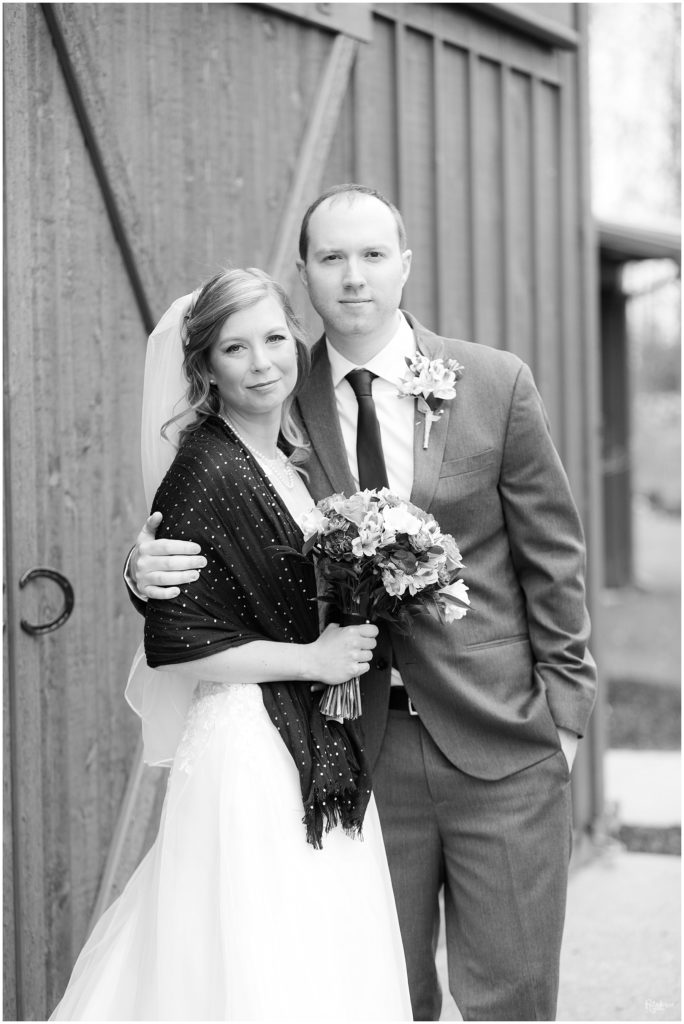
(620, 242)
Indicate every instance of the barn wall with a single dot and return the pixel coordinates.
(475, 128)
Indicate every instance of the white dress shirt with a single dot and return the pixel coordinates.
(395, 415)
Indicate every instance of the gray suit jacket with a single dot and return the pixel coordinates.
(492, 687)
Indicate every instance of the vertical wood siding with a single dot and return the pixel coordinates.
(201, 110)
(455, 277)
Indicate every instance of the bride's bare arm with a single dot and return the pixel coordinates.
(339, 653)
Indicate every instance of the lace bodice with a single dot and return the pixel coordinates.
(214, 705)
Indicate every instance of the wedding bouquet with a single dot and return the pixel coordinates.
(378, 557)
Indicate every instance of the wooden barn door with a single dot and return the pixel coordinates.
(121, 192)
(74, 350)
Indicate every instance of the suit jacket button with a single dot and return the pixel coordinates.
(381, 664)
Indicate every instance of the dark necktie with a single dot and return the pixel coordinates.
(372, 471)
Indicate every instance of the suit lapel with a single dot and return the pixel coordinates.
(319, 411)
(427, 462)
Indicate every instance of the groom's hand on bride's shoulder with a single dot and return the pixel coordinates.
(157, 568)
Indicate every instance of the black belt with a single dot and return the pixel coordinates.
(399, 700)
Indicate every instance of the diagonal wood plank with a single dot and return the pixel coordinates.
(90, 106)
(313, 154)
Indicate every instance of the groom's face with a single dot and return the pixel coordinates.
(355, 270)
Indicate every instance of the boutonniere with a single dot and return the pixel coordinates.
(431, 382)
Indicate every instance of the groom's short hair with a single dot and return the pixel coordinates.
(350, 189)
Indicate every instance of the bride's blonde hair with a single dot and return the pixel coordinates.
(228, 292)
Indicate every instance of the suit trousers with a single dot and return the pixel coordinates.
(501, 851)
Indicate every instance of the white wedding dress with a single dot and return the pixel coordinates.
(232, 915)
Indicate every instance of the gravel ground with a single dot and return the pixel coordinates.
(621, 953)
(621, 956)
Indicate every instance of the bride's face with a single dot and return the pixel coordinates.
(254, 360)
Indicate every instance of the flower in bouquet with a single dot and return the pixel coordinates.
(431, 382)
(379, 557)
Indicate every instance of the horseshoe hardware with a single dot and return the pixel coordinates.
(67, 590)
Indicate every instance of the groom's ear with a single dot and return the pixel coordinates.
(406, 264)
(301, 269)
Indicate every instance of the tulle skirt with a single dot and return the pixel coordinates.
(232, 915)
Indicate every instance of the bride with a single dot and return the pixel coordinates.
(266, 895)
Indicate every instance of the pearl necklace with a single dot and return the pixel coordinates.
(275, 465)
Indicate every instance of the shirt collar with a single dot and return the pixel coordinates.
(390, 361)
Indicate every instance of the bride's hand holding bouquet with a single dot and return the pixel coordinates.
(339, 654)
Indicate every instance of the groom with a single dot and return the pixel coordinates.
(472, 727)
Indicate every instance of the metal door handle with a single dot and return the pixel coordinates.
(67, 590)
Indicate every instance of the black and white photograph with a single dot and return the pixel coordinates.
(342, 511)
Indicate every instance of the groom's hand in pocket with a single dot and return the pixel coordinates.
(157, 568)
(569, 742)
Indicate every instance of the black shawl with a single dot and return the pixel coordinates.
(216, 494)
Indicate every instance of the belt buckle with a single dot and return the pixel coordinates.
(411, 710)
